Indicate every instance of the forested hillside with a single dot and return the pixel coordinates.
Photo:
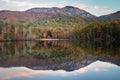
(109, 31)
(57, 22)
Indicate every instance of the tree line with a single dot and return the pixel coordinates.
(107, 31)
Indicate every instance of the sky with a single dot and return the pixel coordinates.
(95, 7)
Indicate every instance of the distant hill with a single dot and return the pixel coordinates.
(110, 17)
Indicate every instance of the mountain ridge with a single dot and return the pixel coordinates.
(67, 10)
(110, 17)
(35, 14)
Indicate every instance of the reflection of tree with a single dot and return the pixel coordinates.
(100, 47)
(59, 52)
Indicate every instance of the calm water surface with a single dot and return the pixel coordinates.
(59, 60)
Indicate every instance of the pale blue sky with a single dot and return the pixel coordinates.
(96, 7)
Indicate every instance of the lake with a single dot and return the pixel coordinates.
(59, 60)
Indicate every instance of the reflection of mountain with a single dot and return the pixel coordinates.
(59, 55)
(74, 65)
(37, 64)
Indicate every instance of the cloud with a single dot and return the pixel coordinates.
(95, 10)
(16, 4)
(99, 66)
(18, 72)
(21, 5)
(96, 7)
(99, 10)
(82, 70)
(96, 69)
(81, 6)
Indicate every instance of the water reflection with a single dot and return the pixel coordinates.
(61, 54)
(58, 57)
(97, 70)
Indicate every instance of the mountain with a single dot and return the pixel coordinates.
(34, 14)
(67, 11)
(45, 17)
(110, 17)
